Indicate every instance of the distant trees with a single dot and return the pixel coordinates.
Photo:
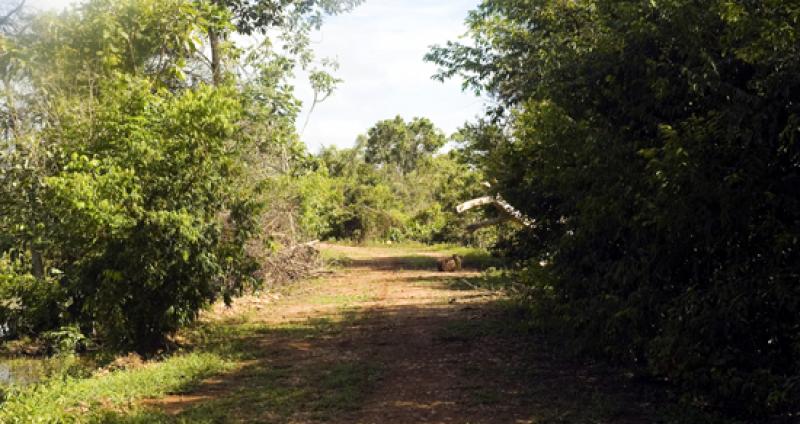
(394, 142)
(655, 144)
(396, 186)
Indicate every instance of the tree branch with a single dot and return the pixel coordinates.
(7, 18)
(510, 212)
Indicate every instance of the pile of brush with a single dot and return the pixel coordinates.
(292, 264)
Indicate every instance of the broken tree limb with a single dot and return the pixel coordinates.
(474, 203)
(511, 213)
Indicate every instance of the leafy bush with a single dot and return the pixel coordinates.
(655, 144)
(27, 304)
(395, 187)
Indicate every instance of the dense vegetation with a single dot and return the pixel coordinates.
(392, 186)
(142, 181)
(149, 163)
(656, 145)
(135, 172)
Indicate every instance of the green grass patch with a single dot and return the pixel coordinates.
(266, 391)
(71, 400)
(493, 280)
(316, 392)
(408, 255)
(511, 320)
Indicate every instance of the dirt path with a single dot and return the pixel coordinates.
(387, 339)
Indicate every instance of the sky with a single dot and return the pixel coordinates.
(379, 47)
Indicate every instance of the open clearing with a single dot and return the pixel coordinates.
(387, 339)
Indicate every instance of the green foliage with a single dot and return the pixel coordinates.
(656, 145)
(143, 188)
(394, 186)
(27, 304)
(79, 47)
(65, 341)
(70, 400)
(395, 143)
(129, 192)
(322, 200)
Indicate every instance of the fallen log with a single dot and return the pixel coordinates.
(510, 213)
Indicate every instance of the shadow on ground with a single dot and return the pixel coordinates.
(420, 262)
(401, 365)
(456, 362)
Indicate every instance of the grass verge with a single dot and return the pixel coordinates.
(70, 400)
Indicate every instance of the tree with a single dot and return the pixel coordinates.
(135, 183)
(9, 13)
(295, 18)
(655, 145)
(394, 142)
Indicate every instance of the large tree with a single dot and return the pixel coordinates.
(130, 185)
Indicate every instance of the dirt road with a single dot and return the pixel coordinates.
(388, 339)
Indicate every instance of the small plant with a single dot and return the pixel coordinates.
(65, 341)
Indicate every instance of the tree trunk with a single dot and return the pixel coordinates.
(37, 264)
(216, 62)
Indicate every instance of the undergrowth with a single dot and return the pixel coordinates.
(75, 400)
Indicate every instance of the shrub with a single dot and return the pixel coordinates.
(655, 144)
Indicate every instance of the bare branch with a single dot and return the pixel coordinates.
(5, 20)
(510, 212)
(474, 203)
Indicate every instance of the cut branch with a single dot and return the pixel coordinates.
(474, 203)
(510, 213)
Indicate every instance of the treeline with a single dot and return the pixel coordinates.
(656, 144)
(394, 185)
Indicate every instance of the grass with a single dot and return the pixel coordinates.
(271, 385)
(258, 390)
(340, 300)
(407, 253)
(69, 400)
(319, 391)
(274, 395)
(334, 258)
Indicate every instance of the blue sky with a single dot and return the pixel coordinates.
(379, 47)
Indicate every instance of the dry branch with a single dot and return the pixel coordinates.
(510, 213)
